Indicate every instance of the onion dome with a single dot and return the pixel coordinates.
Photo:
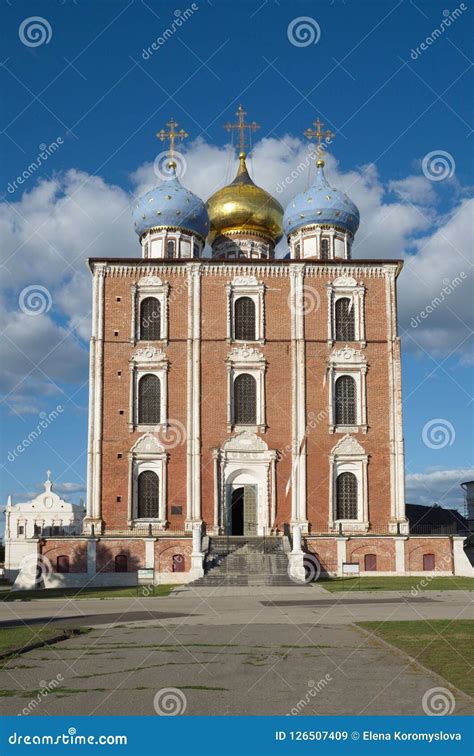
(171, 205)
(321, 205)
(242, 206)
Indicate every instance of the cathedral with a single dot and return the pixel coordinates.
(244, 396)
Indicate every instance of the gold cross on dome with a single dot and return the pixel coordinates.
(172, 135)
(241, 126)
(319, 135)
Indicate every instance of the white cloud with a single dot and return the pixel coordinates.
(47, 234)
(438, 486)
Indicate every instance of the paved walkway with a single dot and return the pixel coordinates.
(261, 651)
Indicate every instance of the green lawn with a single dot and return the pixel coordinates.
(402, 583)
(13, 638)
(445, 646)
(78, 593)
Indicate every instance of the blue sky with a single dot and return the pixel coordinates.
(401, 113)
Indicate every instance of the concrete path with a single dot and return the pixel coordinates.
(227, 651)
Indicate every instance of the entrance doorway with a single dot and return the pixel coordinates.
(243, 511)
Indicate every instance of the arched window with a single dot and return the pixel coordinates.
(370, 563)
(244, 319)
(245, 400)
(150, 319)
(345, 328)
(121, 563)
(170, 248)
(346, 401)
(324, 249)
(178, 563)
(148, 494)
(346, 496)
(62, 564)
(428, 562)
(149, 395)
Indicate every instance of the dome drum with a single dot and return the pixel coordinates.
(320, 242)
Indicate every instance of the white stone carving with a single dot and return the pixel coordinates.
(148, 354)
(148, 444)
(245, 354)
(348, 446)
(245, 441)
(344, 281)
(347, 356)
(244, 281)
(150, 281)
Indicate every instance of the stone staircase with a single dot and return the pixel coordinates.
(245, 561)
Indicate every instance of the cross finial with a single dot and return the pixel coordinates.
(241, 126)
(172, 135)
(320, 136)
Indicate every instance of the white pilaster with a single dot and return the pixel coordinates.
(341, 553)
(400, 555)
(193, 511)
(298, 352)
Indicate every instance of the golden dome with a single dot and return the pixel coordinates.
(243, 206)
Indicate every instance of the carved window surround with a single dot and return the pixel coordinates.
(246, 359)
(148, 360)
(352, 362)
(149, 286)
(246, 286)
(349, 456)
(347, 287)
(147, 454)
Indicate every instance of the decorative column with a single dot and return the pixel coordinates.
(298, 358)
(296, 569)
(94, 470)
(193, 504)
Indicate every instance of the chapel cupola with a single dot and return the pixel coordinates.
(170, 220)
(321, 222)
(246, 221)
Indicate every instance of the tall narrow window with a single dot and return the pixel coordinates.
(428, 562)
(346, 496)
(346, 401)
(150, 319)
(245, 319)
(297, 251)
(148, 494)
(170, 248)
(149, 395)
(345, 327)
(62, 564)
(370, 563)
(245, 400)
(324, 249)
(195, 250)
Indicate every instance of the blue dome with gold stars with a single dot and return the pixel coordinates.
(171, 205)
(321, 204)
